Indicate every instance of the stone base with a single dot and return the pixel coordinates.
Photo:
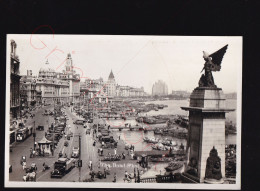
(214, 181)
(187, 178)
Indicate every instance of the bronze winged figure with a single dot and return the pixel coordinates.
(213, 63)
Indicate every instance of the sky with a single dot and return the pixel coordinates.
(137, 61)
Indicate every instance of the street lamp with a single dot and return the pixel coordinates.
(34, 135)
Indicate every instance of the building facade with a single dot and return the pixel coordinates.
(53, 90)
(110, 86)
(93, 91)
(28, 92)
(160, 88)
(14, 83)
(73, 79)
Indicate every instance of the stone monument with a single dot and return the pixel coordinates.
(206, 140)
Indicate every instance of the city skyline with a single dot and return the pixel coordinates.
(174, 60)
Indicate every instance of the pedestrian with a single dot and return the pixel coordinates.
(92, 175)
(115, 151)
(103, 144)
(132, 155)
(133, 148)
(126, 175)
(90, 165)
(98, 150)
(24, 165)
(31, 152)
(119, 137)
(99, 163)
(101, 152)
(105, 173)
(114, 178)
(24, 178)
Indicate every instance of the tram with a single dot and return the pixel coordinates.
(23, 133)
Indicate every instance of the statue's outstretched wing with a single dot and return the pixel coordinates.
(217, 58)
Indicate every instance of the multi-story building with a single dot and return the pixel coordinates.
(14, 83)
(160, 88)
(127, 91)
(53, 90)
(106, 91)
(110, 86)
(28, 92)
(93, 90)
(69, 75)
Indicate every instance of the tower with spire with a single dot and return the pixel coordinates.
(111, 85)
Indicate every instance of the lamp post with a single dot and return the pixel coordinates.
(34, 135)
(80, 158)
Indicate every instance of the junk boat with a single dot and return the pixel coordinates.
(172, 166)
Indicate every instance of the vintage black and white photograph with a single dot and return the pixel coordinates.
(123, 111)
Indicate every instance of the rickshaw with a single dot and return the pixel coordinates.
(30, 177)
(33, 168)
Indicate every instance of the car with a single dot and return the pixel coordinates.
(75, 152)
(79, 122)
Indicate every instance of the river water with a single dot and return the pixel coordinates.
(136, 137)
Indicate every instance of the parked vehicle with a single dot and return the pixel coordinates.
(62, 167)
(79, 122)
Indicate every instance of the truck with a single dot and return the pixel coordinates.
(62, 167)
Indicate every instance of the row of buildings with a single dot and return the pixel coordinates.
(51, 87)
(104, 91)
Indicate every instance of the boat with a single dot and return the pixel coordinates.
(157, 131)
(160, 106)
(172, 166)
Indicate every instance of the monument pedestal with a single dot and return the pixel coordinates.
(206, 140)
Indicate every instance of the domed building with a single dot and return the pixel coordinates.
(53, 90)
(46, 72)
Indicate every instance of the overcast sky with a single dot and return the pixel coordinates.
(135, 60)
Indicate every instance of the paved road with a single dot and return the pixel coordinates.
(88, 152)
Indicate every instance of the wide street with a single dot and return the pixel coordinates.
(88, 152)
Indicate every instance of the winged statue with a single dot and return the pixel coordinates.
(213, 63)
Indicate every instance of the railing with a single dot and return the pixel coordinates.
(158, 179)
(148, 180)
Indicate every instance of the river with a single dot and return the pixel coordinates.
(174, 107)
